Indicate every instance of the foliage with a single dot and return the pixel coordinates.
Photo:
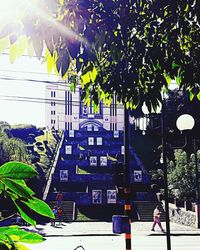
(131, 48)
(22, 131)
(13, 185)
(182, 176)
(11, 149)
(10, 238)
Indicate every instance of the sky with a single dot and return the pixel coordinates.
(20, 81)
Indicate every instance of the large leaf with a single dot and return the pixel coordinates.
(16, 188)
(30, 237)
(40, 207)
(17, 170)
(24, 215)
(23, 183)
(23, 236)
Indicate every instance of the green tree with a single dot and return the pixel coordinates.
(130, 48)
(12, 149)
(182, 176)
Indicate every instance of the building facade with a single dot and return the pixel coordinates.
(66, 111)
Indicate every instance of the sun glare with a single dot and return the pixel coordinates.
(11, 10)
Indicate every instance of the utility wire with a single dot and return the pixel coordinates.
(47, 101)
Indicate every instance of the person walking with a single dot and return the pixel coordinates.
(59, 199)
(156, 219)
(60, 215)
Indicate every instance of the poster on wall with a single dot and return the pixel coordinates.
(93, 161)
(111, 196)
(137, 175)
(68, 149)
(96, 196)
(63, 175)
(71, 133)
(103, 161)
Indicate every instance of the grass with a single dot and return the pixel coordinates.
(82, 171)
(82, 217)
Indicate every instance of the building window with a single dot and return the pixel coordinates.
(53, 104)
(90, 140)
(99, 140)
(53, 121)
(53, 93)
(53, 112)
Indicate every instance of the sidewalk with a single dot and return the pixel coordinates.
(105, 228)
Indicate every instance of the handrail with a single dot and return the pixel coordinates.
(51, 172)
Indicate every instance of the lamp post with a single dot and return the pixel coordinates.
(186, 122)
(164, 164)
(127, 205)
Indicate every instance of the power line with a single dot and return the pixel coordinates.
(47, 101)
(60, 83)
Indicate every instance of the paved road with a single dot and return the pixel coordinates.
(99, 236)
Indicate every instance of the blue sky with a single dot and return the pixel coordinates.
(20, 81)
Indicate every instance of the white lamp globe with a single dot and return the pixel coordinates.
(185, 122)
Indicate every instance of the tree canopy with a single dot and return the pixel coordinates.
(128, 48)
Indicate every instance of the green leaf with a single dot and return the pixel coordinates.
(93, 74)
(198, 96)
(39, 207)
(7, 229)
(30, 237)
(24, 236)
(24, 215)
(23, 183)
(191, 96)
(16, 188)
(17, 170)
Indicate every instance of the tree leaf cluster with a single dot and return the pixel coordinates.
(182, 176)
(13, 185)
(11, 237)
(13, 176)
(128, 48)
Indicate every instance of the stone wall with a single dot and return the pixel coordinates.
(181, 216)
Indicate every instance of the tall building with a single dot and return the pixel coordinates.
(66, 111)
(91, 149)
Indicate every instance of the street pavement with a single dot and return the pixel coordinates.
(99, 236)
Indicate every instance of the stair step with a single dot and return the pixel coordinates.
(68, 210)
(145, 210)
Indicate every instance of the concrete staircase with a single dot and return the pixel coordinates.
(68, 208)
(145, 210)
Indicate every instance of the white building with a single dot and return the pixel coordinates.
(66, 111)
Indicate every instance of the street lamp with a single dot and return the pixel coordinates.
(186, 122)
(145, 110)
